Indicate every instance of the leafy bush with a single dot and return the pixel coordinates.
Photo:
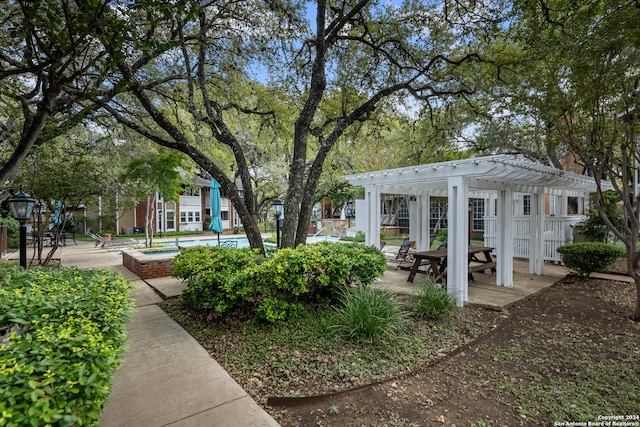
(594, 227)
(13, 231)
(433, 302)
(212, 275)
(442, 235)
(368, 314)
(277, 287)
(587, 257)
(61, 339)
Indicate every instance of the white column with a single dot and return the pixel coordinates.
(415, 225)
(420, 214)
(458, 240)
(372, 218)
(425, 201)
(536, 233)
(504, 239)
(564, 204)
(540, 232)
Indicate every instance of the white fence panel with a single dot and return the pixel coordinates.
(557, 232)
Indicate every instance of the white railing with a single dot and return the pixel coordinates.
(557, 232)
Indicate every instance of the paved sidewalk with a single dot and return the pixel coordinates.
(166, 377)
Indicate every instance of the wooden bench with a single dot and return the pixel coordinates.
(480, 268)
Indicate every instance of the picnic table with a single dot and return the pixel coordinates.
(479, 260)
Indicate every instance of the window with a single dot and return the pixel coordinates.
(477, 209)
(190, 216)
(196, 216)
(171, 223)
(526, 204)
(438, 207)
(183, 217)
(403, 213)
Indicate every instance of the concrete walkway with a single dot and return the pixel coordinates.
(166, 377)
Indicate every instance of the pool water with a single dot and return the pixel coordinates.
(242, 242)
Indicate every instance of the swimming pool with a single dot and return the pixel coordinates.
(242, 242)
(158, 262)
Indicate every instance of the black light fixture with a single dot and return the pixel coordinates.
(21, 205)
(277, 214)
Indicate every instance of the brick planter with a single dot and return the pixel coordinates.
(145, 266)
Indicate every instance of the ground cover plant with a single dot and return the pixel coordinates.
(61, 339)
(309, 355)
(569, 354)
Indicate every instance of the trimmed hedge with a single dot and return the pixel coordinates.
(61, 339)
(587, 257)
(276, 287)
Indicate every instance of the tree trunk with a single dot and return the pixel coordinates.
(29, 136)
(306, 206)
(147, 223)
(293, 200)
(635, 273)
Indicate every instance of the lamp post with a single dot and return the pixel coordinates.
(277, 213)
(21, 205)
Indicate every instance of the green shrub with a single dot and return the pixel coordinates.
(13, 231)
(368, 314)
(212, 276)
(594, 227)
(312, 274)
(61, 339)
(276, 287)
(587, 257)
(442, 235)
(433, 301)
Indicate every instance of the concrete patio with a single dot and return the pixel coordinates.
(483, 291)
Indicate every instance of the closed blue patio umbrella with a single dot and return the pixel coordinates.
(216, 219)
(57, 221)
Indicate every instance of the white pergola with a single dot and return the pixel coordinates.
(499, 175)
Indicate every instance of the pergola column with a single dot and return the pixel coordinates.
(458, 240)
(419, 230)
(504, 237)
(372, 215)
(536, 233)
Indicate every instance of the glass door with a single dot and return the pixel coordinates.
(171, 220)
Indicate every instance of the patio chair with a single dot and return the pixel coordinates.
(113, 244)
(405, 253)
(229, 244)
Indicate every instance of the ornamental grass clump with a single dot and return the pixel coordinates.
(62, 336)
(433, 302)
(368, 314)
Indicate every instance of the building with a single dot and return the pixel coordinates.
(191, 212)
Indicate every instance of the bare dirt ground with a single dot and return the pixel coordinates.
(567, 355)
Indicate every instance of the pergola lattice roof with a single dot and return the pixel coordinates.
(489, 173)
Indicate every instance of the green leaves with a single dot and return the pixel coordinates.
(587, 257)
(274, 288)
(158, 172)
(57, 369)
